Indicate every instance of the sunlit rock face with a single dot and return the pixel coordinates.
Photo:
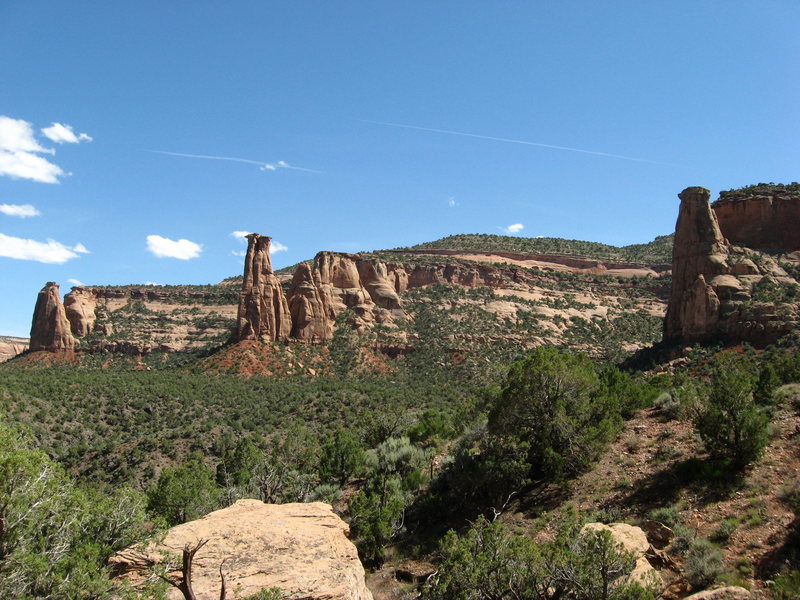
(50, 329)
(263, 311)
(715, 285)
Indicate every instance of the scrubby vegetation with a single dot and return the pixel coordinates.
(659, 251)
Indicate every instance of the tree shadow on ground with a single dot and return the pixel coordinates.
(711, 481)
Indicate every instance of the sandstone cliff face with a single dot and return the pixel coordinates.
(11, 347)
(300, 548)
(80, 305)
(312, 319)
(715, 285)
(263, 311)
(760, 221)
(50, 329)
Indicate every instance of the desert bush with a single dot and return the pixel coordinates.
(730, 423)
(668, 515)
(555, 402)
(725, 530)
(56, 536)
(703, 563)
(488, 563)
(183, 493)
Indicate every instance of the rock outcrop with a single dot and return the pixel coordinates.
(80, 305)
(716, 287)
(633, 539)
(312, 318)
(302, 549)
(50, 329)
(732, 592)
(263, 311)
(761, 220)
(11, 347)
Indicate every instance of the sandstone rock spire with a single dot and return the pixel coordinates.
(263, 311)
(699, 254)
(50, 328)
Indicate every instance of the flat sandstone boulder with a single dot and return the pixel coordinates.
(300, 548)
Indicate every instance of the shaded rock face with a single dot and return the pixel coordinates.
(263, 311)
(80, 305)
(50, 329)
(768, 221)
(300, 548)
(713, 283)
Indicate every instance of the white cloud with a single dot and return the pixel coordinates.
(238, 252)
(451, 202)
(513, 229)
(80, 248)
(63, 134)
(76, 282)
(277, 247)
(241, 235)
(50, 252)
(166, 248)
(20, 153)
(19, 210)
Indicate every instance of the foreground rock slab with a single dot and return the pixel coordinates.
(723, 593)
(300, 548)
(633, 539)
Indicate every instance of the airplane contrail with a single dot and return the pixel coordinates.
(523, 142)
(265, 166)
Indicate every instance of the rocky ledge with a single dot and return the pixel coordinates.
(302, 549)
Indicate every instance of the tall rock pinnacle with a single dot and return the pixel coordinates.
(698, 255)
(50, 329)
(263, 311)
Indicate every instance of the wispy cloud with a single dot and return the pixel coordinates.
(240, 235)
(81, 249)
(451, 202)
(522, 142)
(277, 247)
(513, 229)
(19, 210)
(63, 134)
(50, 252)
(265, 166)
(166, 248)
(76, 282)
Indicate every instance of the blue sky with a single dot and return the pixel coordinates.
(353, 115)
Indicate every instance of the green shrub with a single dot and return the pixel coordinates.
(703, 563)
(732, 426)
(488, 562)
(725, 530)
(787, 586)
(668, 515)
(556, 402)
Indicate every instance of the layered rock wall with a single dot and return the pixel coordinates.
(769, 221)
